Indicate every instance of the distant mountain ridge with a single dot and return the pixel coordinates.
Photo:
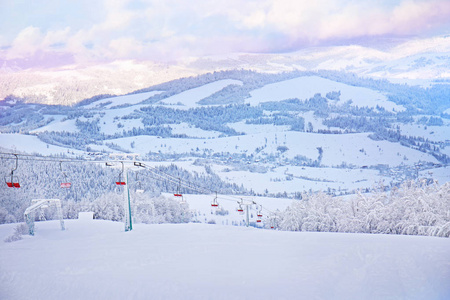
(421, 62)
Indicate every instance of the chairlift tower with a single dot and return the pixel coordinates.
(126, 191)
(245, 203)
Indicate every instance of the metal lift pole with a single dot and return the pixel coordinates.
(248, 220)
(126, 194)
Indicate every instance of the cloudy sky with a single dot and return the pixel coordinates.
(76, 31)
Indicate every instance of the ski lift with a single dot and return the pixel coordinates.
(12, 181)
(64, 184)
(259, 214)
(272, 223)
(178, 193)
(139, 188)
(240, 209)
(121, 182)
(214, 203)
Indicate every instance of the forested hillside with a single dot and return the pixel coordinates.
(244, 132)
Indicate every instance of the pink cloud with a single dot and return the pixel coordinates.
(166, 30)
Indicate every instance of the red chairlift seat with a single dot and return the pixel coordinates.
(258, 220)
(12, 182)
(178, 195)
(121, 183)
(214, 203)
(259, 215)
(66, 185)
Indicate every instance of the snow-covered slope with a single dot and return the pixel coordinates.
(307, 86)
(188, 99)
(31, 144)
(98, 260)
(121, 100)
(355, 149)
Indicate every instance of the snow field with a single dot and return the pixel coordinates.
(432, 133)
(192, 131)
(442, 175)
(258, 128)
(307, 86)
(31, 144)
(121, 100)
(189, 98)
(302, 179)
(336, 148)
(58, 125)
(98, 260)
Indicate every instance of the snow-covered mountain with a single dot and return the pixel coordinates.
(421, 62)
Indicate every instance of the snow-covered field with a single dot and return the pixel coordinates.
(122, 100)
(189, 98)
(432, 133)
(336, 148)
(307, 86)
(295, 179)
(58, 125)
(31, 144)
(98, 260)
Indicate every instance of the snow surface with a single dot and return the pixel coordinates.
(301, 179)
(306, 87)
(31, 144)
(121, 100)
(432, 133)
(58, 125)
(336, 148)
(258, 128)
(188, 99)
(98, 260)
(112, 117)
(442, 175)
(192, 131)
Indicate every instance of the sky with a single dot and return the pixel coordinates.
(57, 32)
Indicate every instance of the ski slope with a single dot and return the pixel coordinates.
(96, 259)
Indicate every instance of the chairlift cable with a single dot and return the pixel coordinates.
(162, 175)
